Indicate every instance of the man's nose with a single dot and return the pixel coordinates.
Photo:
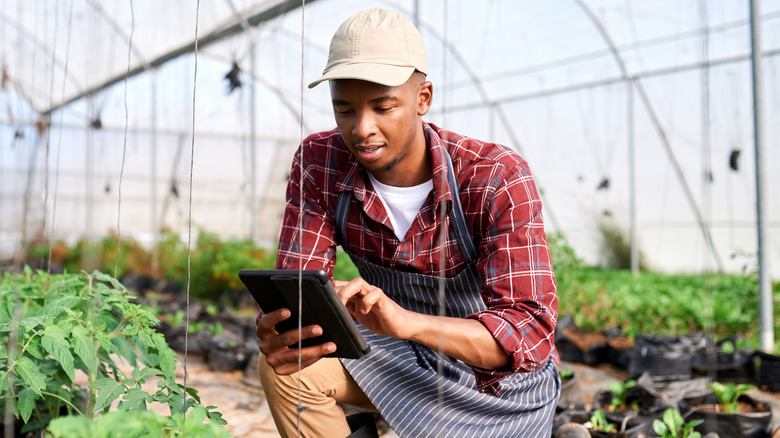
(364, 124)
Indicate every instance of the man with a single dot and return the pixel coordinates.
(420, 211)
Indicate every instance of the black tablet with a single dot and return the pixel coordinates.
(274, 289)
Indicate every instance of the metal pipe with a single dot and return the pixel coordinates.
(766, 334)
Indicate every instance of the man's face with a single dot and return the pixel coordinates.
(382, 128)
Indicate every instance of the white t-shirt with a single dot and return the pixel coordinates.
(402, 203)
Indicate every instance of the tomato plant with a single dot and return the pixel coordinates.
(54, 328)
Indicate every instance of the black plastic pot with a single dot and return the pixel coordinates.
(564, 416)
(575, 345)
(744, 425)
(736, 366)
(195, 343)
(630, 428)
(227, 353)
(769, 371)
(567, 351)
(571, 394)
(665, 357)
(619, 347)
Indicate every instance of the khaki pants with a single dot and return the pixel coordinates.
(323, 386)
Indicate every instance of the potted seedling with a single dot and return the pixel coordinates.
(673, 426)
(728, 411)
(601, 426)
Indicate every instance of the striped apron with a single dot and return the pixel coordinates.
(422, 393)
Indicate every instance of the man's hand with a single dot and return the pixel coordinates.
(465, 339)
(371, 307)
(275, 345)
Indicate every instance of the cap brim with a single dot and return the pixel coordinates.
(383, 74)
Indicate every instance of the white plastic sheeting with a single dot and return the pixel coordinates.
(538, 76)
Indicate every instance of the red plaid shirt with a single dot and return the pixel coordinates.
(501, 207)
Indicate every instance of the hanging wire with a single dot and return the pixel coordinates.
(443, 230)
(709, 320)
(47, 239)
(124, 145)
(299, 409)
(59, 137)
(189, 211)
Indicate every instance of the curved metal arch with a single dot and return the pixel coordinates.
(485, 98)
(656, 121)
(119, 31)
(44, 47)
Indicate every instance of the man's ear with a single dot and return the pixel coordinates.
(424, 98)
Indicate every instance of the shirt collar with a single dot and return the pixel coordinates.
(354, 179)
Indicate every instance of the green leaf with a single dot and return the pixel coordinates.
(30, 374)
(108, 390)
(135, 400)
(659, 428)
(104, 341)
(106, 317)
(70, 426)
(166, 356)
(673, 419)
(26, 403)
(54, 342)
(84, 348)
(34, 348)
(141, 374)
(109, 279)
(60, 304)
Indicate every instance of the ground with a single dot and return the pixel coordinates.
(239, 397)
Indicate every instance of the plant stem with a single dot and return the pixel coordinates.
(64, 400)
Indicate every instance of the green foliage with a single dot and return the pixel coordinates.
(344, 269)
(214, 263)
(728, 395)
(671, 426)
(619, 392)
(563, 257)
(89, 256)
(660, 303)
(138, 423)
(54, 329)
(616, 247)
(565, 374)
(598, 421)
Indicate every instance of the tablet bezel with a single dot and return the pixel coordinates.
(277, 288)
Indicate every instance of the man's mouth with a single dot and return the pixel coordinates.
(368, 152)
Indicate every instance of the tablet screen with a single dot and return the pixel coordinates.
(274, 289)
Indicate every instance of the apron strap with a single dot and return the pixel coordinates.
(457, 217)
(341, 217)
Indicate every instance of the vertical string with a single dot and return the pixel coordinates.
(59, 137)
(443, 231)
(48, 145)
(300, 407)
(706, 182)
(124, 145)
(189, 211)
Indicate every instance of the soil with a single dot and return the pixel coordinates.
(742, 407)
(239, 396)
(584, 340)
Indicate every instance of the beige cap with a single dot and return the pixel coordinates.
(375, 45)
